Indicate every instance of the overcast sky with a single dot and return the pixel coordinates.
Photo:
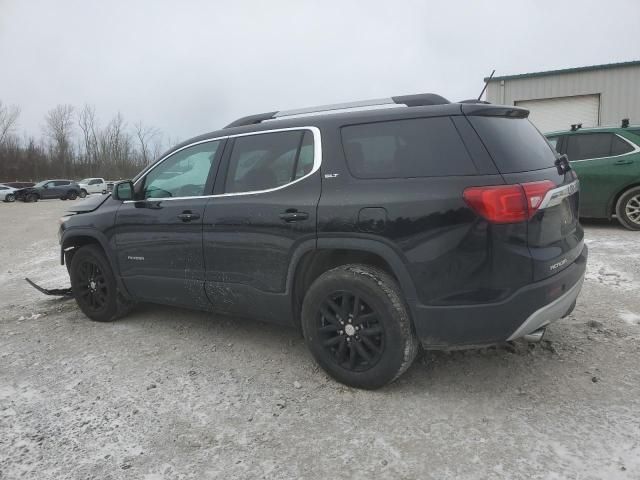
(189, 67)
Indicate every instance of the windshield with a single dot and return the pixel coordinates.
(85, 180)
(40, 184)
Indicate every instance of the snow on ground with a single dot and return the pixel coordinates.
(167, 393)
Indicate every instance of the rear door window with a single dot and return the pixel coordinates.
(421, 147)
(583, 146)
(514, 143)
(269, 160)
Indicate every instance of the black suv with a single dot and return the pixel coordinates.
(62, 189)
(373, 231)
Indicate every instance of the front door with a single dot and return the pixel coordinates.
(50, 190)
(159, 235)
(264, 210)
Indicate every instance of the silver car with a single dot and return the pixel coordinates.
(7, 193)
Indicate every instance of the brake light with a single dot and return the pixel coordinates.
(507, 203)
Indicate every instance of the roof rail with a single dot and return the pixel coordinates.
(417, 100)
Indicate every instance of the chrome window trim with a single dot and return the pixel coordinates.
(636, 149)
(557, 195)
(317, 162)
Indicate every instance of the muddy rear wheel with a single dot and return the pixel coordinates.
(357, 326)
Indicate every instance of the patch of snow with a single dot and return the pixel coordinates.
(629, 317)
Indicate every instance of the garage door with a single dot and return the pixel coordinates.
(551, 114)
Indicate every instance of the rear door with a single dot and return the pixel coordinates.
(159, 235)
(264, 211)
(521, 154)
(604, 163)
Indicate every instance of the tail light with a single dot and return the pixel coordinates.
(508, 203)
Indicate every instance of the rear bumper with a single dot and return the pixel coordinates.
(527, 310)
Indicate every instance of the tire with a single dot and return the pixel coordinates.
(72, 195)
(628, 209)
(10, 197)
(336, 336)
(64, 198)
(94, 286)
(83, 193)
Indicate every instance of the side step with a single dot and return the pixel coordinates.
(56, 292)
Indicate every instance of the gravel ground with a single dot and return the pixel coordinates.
(172, 394)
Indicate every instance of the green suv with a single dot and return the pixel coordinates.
(607, 161)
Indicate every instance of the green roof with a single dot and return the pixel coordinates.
(589, 68)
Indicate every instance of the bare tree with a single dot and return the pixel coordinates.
(87, 124)
(145, 135)
(8, 120)
(58, 127)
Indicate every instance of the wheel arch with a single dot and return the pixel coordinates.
(613, 202)
(75, 238)
(329, 253)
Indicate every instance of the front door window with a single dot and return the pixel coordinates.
(184, 174)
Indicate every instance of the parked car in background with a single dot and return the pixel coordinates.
(372, 231)
(92, 185)
(607, 161)
(62, 189)
(7, 193)
(19, 184)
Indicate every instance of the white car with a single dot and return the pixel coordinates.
(92, 185)
(7, 193)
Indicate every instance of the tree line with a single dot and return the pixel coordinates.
(75, 145)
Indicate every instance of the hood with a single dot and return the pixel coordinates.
(89, 204)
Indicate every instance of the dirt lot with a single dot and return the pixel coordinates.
(173, 394)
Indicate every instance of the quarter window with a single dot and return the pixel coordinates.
(183, 174)
(422, 147)
(269, 160)
(619, 146)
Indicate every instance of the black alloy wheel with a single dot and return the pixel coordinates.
(92, 286)
(357, 326)
(350, 331)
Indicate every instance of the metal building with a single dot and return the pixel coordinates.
(594, 96)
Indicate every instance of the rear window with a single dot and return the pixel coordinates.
(514, 144)
(422, 147)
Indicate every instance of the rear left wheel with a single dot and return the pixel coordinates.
(628, 209)
(357, 326)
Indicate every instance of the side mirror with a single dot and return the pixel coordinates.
(123, 190)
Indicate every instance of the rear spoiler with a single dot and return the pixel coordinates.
(484, 110)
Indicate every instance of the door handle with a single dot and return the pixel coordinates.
(294, 216)
(626, 161)
(187, 216)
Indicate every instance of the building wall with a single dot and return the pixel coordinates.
(619, 90)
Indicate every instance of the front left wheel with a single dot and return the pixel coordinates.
(357, 326)
(94, 285)
(628, 209)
